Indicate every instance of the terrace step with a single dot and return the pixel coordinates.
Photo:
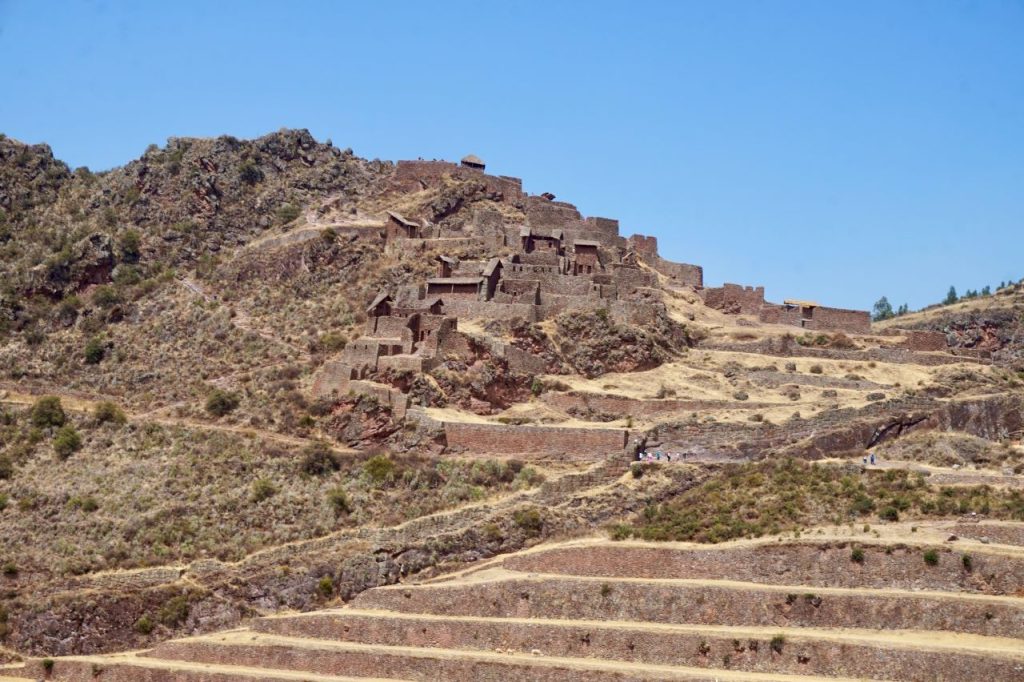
(437, 663)
(810, 563)
(507, 594)
(136, 668)
(819, 651)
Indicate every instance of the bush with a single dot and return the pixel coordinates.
(332, 342)
(47, 411)
(319, 460)
(326, 586)
(3, 501)
(338, 499)
(174, 611)
(778, 641)
(636, 469)
(250, 173)
(219, 403)
(94, 351)
(379, 468)
(889, 514)
(287, 213)
(87, 504)
(816, 369)
(857, 555)
(967, 562)
(6, 467)
(10, 569)
(105, 296)
(529, 520)
(263, 489)
(130, 246)
(107, 411)
(144, 625)
(67, 441)
(931, 557)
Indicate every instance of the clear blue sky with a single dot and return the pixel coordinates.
(829, 150)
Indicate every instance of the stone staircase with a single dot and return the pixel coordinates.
(594, 610)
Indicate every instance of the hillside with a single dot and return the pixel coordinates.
(247, 376)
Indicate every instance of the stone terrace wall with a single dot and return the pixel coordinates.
(533, 441)
(923, 340)
(490, 310)
(583, 403)
(822, 319)
(789, 348)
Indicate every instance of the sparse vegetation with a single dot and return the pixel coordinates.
(48, 412)
(772, 497)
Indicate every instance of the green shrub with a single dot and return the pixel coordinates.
(130, 245)
(67, 441)
(889, 514)
(816, 369)
(857, 555)
(10, 569)
(319, 460)
(619, 531)
(967, 562)
(108, 412)
(47, 411)
(144, 625)
(174, 611)
(106, 296)
(249, 173)
(93, 352)
(87, 504)
(778, 641)
(219, 403)
(931, 557)
(332, 342)
(529, 521)
(379, 469)
(263, 489)
(6, 467)
(48, 665)
(287, 213)
(338, 499)
(3, 501)
(636, 469)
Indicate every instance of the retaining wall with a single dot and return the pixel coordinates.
(579, 444)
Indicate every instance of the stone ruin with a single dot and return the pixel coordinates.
(545, 263)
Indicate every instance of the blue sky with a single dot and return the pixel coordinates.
(835, 151)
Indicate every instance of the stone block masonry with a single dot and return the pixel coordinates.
(578, 444)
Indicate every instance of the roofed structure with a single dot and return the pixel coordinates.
(473, 161)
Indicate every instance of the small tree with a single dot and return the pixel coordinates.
(883, 310)
(951, 297)
(902, 310)
(47, 411)
(986, 290)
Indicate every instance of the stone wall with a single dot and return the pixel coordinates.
(734, 299)
(333, 378)
(580, 444)
(620, 406)
(412, 176)
(820, 318)
(383, 394)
